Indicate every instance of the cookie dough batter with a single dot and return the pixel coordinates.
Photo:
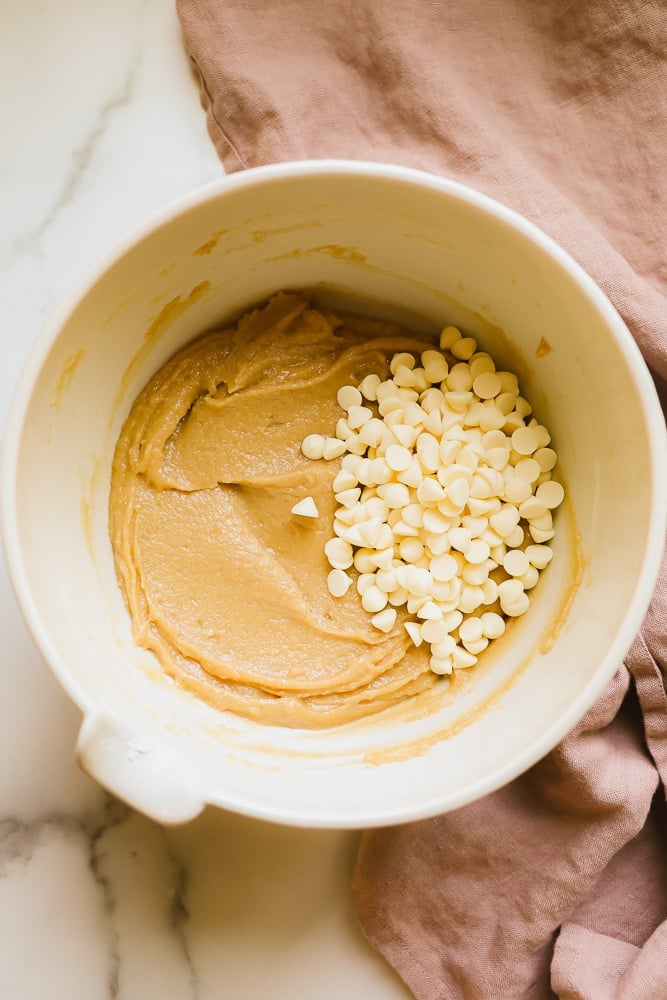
(222, 581)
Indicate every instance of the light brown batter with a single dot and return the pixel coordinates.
(223, 582)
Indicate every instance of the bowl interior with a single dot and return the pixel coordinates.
(401, 245)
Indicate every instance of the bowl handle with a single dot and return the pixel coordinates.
(150, 778)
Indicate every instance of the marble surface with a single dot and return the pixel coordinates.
(101, 125)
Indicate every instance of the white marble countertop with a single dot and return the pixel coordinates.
(101, 124)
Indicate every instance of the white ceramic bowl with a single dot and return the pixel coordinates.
(414, 246)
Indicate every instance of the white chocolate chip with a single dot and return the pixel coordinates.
(333, 448)
(517, 489)
(380, 471)
(475, 525)
(348, 498)
(348, 396)
(509, 382)
(493, 625)
(522, 407)
(460, 378)
(413, 604)
(403, 530)
(357, 415)
(539, 555)
(338, 582)
(483, 508)
(512, 423)
(444, 649)
(429, 610)
(373, 599)
(530, 578)
(430, 491)
(460, 539)
(372, 432)
(344, 480)
(398, 458)
(435, 630)
(369, 387)
(516, 563)
(339, 553)
(384, 620)
(518, 608)
(458, 401)
(385, 390)
(386, 580)
(489, 592)
(464, 348)
(355, 446)
(509, 591)
(383, 559)
(544, 521)
(444, 568)
(486, 385)
(478, 646)
(449, 337)
(390, 404)
(412, 476)
(404, 358)
(405, 435)
(532, 508)
(452, 620)
(458, 491)
(438, 544)
(546, 458)
(441, 665)
(398, 597)
(306, 508)
(540, 536)
(415, 632)
(543, 436)
(505, 402)
(312, 446)
(343, 430)
(363, 561)
(364, 581)
(515, 537)
(524, 440)
(481, 362)
(395, 495)
(417, 580)
(505, 520)
(410, 550)
(471, 629)
(551, 494)
(471, 598)
(491, 418)
(477, 552)
(462, 659)
(404, 376)
(428, 451)
(528, 469)
(435, 365)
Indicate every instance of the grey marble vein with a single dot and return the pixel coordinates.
(20, 837)
(109, 836)
(82, 156)
(179, 913)
(114, 813)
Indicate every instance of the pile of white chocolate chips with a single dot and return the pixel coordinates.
(444, 498)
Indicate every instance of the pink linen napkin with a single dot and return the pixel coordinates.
(557, 884)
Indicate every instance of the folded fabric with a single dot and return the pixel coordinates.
(556, 884)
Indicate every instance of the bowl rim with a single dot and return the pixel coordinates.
(335, 168)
